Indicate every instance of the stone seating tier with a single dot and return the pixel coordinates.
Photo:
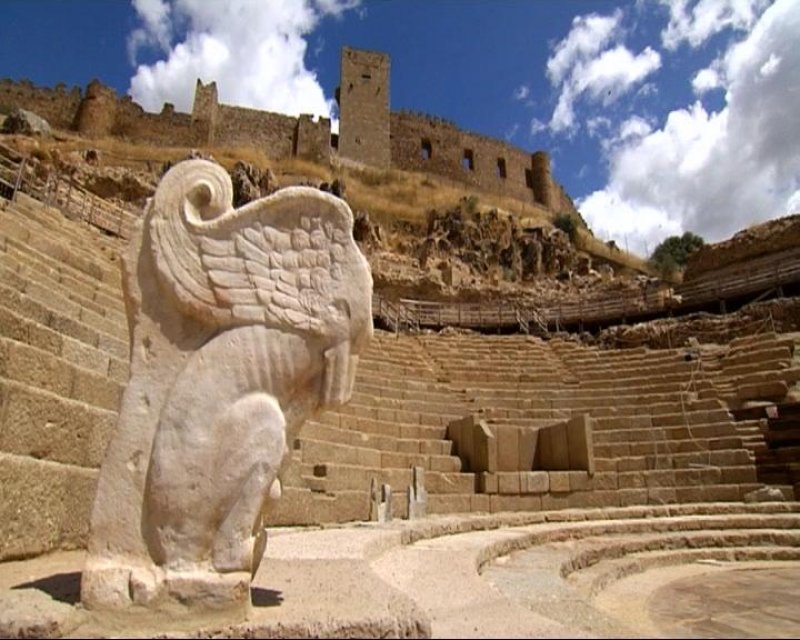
(48, 291)
(31, 366)
(408, 389)
(74, 246)
(41, 314)
(20, 329)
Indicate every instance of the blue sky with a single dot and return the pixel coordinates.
(661, 116)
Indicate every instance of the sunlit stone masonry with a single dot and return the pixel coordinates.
(243, 323)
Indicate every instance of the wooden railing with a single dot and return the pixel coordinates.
(415, 314)
(751, 276)
(18, 175)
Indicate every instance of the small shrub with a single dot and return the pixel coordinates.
(568, 224)
(673, 253)
(471, 204)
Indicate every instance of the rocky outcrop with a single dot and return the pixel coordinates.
(494, 245)
(26, 123)
(251, 183)
(768, 237)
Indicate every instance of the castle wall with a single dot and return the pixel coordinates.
(271, 132)
(58, 106)
(432, 145)
(168, 128)
(363, 97)
(369, 132)
(313, 139)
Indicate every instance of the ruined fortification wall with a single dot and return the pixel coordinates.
(279, 136)
(102, 113)
(369, 132)
(432, 145)
(58, 106)
(313, 139)
(272, 132)
(168, 128)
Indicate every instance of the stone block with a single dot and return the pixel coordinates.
(484, 448)
(508, 482)
(507, 447)
(487, 482)
(536, 482)
(738, 474)
(605, 480)
(528, 439)
(408, 446)
(580, 481)
(555, 501)
(580, 443)
(445, 464)
(594, 499)
(37, 368)
(632, 464)
(50, 509)
(631, 480)
(661, 495)
(44, 426)
(559, 481)
(500, 503)
(480, 503)
(628, 497)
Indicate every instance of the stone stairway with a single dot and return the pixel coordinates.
(662, 431)
(63, 363)
(395, 421)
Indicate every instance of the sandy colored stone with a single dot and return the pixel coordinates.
(244, 323)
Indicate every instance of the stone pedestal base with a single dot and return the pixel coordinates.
(107, 586)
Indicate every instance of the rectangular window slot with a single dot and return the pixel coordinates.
(501, 168)
(529, 178)
(426, 149)
(468, 161)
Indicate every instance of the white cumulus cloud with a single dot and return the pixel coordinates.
(706, 80)
(696, 22)
(589, 34)
(714, 172)
(254, 51)
(585, 66)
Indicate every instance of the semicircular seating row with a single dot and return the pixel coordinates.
(662, 431)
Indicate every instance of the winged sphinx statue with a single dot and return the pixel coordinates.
(243, 323)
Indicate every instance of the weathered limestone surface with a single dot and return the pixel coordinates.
(243, 323)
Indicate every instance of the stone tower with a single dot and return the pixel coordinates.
(364, 107)
(543, 190)
(204, 111)
(97, 111)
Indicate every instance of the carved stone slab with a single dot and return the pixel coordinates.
(243, 323)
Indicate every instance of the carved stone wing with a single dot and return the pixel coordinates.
(287, 260)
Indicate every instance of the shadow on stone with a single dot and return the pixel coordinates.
(64, 587)
(265, 597)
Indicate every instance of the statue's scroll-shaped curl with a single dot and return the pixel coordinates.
(243, 323)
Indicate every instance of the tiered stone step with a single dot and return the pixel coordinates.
(757, 367)
(397, 419)
(63, 364)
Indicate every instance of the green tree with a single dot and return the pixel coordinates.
(568, 224)
(673, 253)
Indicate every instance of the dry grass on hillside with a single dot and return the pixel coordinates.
(387, 195)
(599, 249)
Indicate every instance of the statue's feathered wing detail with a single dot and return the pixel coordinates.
(281, 261)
